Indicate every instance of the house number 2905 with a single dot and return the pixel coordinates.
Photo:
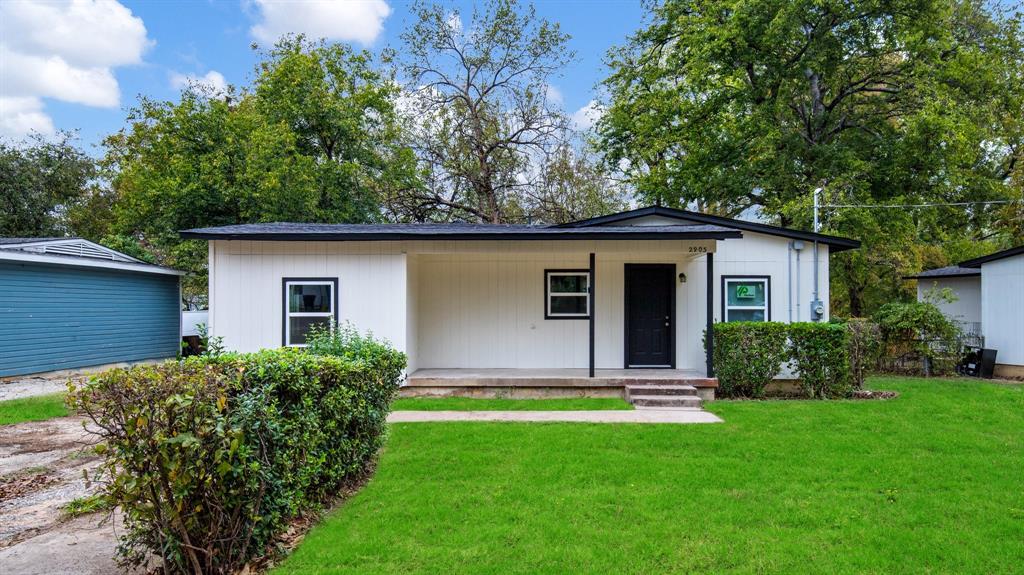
(697, 250)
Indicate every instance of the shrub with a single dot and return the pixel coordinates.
(919, 335)
(211, 457)
(865, 344)
(747, 356)
(820, 354)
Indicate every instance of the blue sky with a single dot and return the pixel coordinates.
(80, 65)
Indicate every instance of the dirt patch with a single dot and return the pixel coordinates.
(43, 466)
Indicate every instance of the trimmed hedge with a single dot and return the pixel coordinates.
(747, 356)
(211, 457)
(820, 353)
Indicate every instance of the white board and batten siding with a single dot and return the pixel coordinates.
(247, 294)
(1002, 309)
(480, 304)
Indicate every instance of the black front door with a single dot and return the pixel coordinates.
(650, 315)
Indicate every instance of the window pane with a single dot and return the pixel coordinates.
(746, 293)
(309, 298)
(569, 304)
(746, 315)
(568, 284)
(298, 327)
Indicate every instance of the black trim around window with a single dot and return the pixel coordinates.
(768, 293)
(284, 305)
(547, 289)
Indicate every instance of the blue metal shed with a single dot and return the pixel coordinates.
(68, 303)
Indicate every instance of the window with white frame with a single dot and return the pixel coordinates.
(566, 294)
(746, 298)
(308, 302)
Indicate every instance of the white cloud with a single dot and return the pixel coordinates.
(554, 95)
(212, 79)
(66, 51)
(349, 21)
(587, 116)
(21, 116)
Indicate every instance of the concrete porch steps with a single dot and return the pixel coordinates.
(663, 396)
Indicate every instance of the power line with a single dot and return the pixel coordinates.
(920, 205)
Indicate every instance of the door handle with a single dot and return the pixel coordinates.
(666, 324)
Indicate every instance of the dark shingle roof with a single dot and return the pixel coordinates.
(456, 231)
(946, 272)
(835, 243)
(976, 262)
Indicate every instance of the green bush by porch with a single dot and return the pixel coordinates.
(747, 356)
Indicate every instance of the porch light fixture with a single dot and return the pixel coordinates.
(682, 278)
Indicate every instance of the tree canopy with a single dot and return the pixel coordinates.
(314, 139)
(41, 182)
(740, 107)
(480, 118)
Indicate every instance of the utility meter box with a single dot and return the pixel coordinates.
(817, 310)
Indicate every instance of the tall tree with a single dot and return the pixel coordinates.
(478, 101)
(40, 182)
(572, 185)
(737, 105)
(314, 139)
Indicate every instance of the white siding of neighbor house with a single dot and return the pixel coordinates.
(480, 304)
(1002, 308)
(967, 308)
(247, 297)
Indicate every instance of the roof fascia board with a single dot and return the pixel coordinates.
(21, 256)
(976, 262)
(403, 236)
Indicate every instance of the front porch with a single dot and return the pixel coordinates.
(551, 383)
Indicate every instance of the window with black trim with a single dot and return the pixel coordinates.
(566, 294)
(308, 302)
(746, 298)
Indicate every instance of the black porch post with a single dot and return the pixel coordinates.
(590, 287)
(711, 316)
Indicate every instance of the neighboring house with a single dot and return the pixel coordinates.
(582, 307)
(70, 303)
(1002, 307)
(965, 284)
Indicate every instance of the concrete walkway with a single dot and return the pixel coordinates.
(606, 416)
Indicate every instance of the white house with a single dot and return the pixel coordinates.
(965, 284)
(579, 308)
(1002, 307)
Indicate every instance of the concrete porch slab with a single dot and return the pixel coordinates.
(568, 377)
(676, 416)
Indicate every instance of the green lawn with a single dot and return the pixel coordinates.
(930, 482)
(471, 404)
(32, 408)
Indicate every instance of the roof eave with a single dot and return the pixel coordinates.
(977, 262)
(403, 236)
(29, 257)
